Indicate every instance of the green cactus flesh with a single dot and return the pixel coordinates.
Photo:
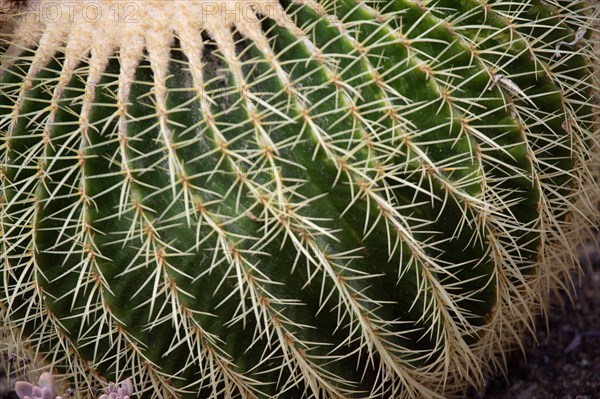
(295, 198)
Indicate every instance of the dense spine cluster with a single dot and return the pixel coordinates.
(292, 198)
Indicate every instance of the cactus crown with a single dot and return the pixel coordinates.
(292, 198)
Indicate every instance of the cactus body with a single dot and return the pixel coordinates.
(291, 199)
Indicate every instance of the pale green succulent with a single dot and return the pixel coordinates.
(292, 198)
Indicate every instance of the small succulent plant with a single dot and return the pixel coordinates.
(44, 389)
(120, 391)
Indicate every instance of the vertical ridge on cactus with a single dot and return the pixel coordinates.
(292, 198)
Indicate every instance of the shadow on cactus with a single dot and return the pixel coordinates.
(292, 198)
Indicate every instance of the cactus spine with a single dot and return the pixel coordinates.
(292, 198)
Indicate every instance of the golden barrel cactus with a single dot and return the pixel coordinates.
(291, 198)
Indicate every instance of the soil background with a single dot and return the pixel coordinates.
(564, 363)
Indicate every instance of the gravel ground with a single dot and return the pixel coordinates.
(565, 363)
